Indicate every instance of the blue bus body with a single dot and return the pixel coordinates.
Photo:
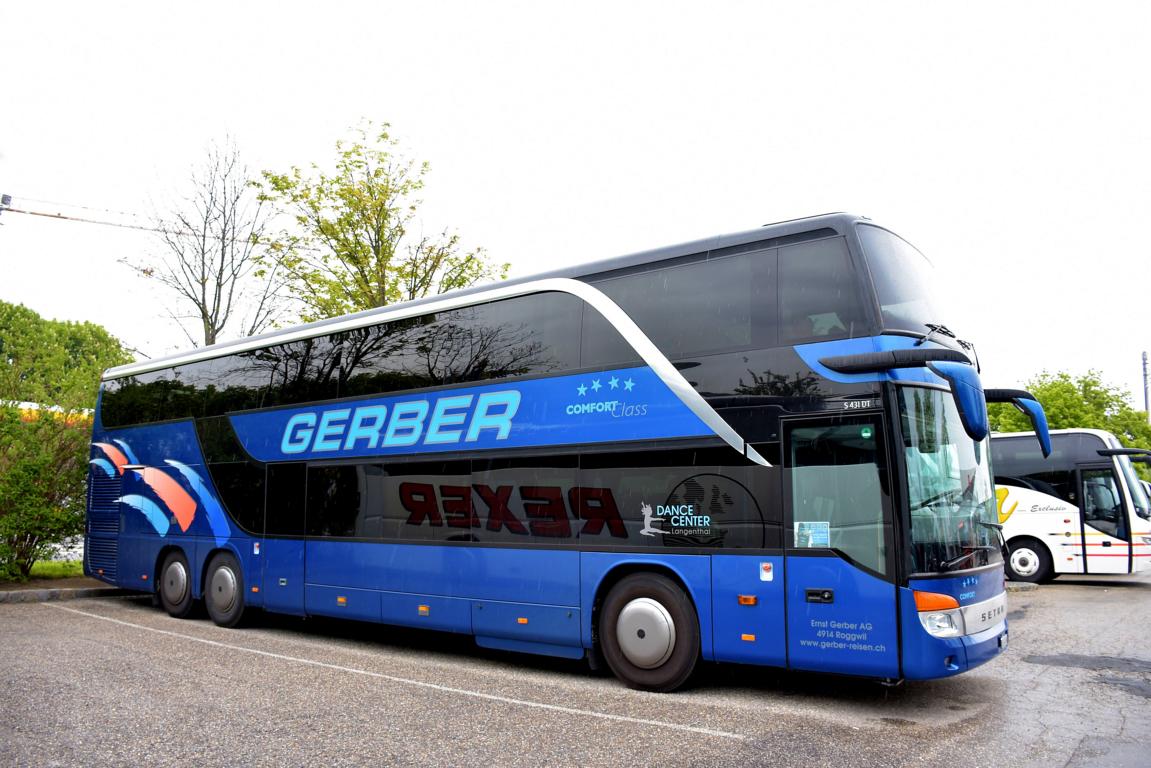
(509, 507)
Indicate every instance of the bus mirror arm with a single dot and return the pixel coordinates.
(1141, 455)
(1031, 408)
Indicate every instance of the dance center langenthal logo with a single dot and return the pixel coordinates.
(680, 520)
(607, 394)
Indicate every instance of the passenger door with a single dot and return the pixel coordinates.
(1106, 532)
(839, 558)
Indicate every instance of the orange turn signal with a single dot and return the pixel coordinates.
(747, 638)
(748, 600)
(521, 620)
(933, 601)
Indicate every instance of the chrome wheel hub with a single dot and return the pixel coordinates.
(222, 589)
(646, 633)
(175, 584)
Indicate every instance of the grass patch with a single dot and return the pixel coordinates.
(57, 569)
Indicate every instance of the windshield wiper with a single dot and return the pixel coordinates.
(949, 565)
(934, 328)
(1002, 540)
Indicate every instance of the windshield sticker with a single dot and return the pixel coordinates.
(812, 534)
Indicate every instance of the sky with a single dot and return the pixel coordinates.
(1009, 141)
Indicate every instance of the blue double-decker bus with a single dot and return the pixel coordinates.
(760, 448)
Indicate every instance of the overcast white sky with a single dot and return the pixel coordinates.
(1009, 141)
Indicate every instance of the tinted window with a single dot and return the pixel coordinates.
(527, 335)
(1018, 461)
(676, 499)
(904, 279)
(431, 500)
(241, 488)
(286, 497)
(704, 307)
(819, 293)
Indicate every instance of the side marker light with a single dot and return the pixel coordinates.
(747, 638)
(521, 620)
(748, 599)
(423, 610)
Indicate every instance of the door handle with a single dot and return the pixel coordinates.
(820, 596)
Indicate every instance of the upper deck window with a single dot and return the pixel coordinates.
(905, 282)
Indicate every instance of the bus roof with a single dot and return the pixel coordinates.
(780, 233)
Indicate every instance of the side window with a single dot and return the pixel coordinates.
(838, 491)
(819, 293)
(302, 371)
(701, 308)
(430, 501)
(286, 499)
(524, 499)
(674, 499)
(526, 335)
(1102, 503)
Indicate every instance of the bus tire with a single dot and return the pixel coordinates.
(224, 590)
(175, 587)
(649, 633)
(1029, 561)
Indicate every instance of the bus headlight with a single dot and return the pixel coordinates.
(943, 623)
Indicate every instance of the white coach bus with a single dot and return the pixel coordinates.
(1083, 510)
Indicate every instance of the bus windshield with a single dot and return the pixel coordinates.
(1138, 495)
(950, 493)
(904, 281)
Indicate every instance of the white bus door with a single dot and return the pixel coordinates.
(1106, 529)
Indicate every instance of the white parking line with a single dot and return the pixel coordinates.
(406, 681)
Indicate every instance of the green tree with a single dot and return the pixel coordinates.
(354, 242)
(56, 367)
(1082, 402)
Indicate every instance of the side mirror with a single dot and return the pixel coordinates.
(1025, 402)
(967, 390)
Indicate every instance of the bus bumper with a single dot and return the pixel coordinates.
(926, 657)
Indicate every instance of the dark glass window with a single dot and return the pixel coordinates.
(431, 501)
(301, 371)
(676, 499)
(819, 293)
(905, 282)
(523, 336)
(1018, 461)
(346, 500)
(699, 308)
(286, 499)
(525, 498)
(241, 488)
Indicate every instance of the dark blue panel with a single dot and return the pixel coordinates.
(926, 657)
(527, 623)
(283, 561)
(856, 634)
(735, 575)
(693, 570)
(342, 602)
(448, 614)
(548, 577)
(616, 405)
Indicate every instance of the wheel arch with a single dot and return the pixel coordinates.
(621, 570)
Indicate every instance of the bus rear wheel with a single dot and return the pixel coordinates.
(224, 592)
(1029, 561)
(175, 585)
(649, 633)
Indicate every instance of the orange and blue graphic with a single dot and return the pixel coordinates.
(165, 500)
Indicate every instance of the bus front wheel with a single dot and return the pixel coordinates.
(649, 633)
(1029, 561)
(224, 592)
(175, 585)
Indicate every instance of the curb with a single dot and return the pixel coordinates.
(45, 595)
(1021, 586)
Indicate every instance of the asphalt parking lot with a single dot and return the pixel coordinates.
(117, 682)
